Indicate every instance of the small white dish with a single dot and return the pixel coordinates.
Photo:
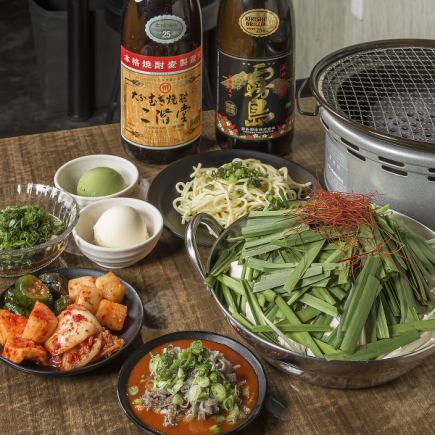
(68, 175)
(117, 258)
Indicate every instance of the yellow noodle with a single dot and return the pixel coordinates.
(226, 201)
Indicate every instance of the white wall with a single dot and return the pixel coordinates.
(323, 26)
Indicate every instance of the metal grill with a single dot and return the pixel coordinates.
(390, 90)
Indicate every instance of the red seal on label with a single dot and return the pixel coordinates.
(165, 88)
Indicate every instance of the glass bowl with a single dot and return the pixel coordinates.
(59, 204)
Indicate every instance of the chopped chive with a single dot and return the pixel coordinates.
(303, 265)
(304, 336)
(377, 349)
(287, 327)
(419, 325)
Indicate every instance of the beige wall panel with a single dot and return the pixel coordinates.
(319, 30)
(323, 26)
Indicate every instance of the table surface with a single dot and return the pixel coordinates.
(175, 299)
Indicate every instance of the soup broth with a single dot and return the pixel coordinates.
(141, 373)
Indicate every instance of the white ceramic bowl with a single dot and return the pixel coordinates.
(68, 175)
(117, 258)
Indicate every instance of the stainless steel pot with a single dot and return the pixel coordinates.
(334, 374)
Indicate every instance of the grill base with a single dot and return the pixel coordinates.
(358, 163)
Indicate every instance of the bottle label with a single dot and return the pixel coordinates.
(259, 22)
(161, 99)
(255, 97)
(165, 29)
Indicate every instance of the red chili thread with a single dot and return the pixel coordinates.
(345, 213)
(337, 210)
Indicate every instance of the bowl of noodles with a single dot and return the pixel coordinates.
(226, 185)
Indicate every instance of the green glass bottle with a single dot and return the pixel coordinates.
(256, 86)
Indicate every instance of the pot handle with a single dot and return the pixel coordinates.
(298, 101)
(190, 237)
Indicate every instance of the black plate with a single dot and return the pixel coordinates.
(132, 327)
(128, 366)
(162, 190)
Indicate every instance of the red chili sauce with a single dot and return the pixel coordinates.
(155, 420)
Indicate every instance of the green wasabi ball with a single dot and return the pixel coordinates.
(100, 182)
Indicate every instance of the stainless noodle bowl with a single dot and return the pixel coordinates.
(334, 374)
(377, 105)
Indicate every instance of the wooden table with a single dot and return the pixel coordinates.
(175, 299)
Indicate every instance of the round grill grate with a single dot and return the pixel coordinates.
(389, 90)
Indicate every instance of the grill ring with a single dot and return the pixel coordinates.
(385, 89)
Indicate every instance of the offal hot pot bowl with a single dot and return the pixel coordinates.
(333, 374)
